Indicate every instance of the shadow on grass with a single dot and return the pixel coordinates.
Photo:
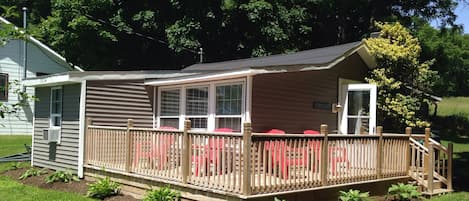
(455, 129)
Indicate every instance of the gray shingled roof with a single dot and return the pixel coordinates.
(318, 57)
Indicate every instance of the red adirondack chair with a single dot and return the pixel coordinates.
(213, 150)
(155, 150)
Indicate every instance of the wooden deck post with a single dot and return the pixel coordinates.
(186, 150)
(379, 153)
(430, 166)
(425, 144)
(450, 167)
(247, 158)
(324, 155)
(128, 146)
(408, 132)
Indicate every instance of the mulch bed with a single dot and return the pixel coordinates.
(79, 187)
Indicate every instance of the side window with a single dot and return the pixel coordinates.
(3, 87)
(56, 107)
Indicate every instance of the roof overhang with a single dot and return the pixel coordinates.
(76, 77)
(203, 76)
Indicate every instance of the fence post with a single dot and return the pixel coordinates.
(430, 166)
(379, 153)
(324, 155)
(426, 144)
(186, 150)
(450, 167)
(247, 158)
(408, 132)
(87, 140)
(128, 146)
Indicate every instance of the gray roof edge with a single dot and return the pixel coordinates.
(354, 46)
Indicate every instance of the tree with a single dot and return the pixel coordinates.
(450, 49)
(123, 35)
(400, 76)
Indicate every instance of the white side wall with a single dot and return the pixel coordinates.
(11, 62)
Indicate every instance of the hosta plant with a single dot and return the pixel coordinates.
(32, 172)
(103, 188)
(63, 176)
(162, 194)
(353, 195)
(403, 192)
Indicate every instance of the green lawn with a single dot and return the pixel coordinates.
(454, 106)
(452, 122)
(11, 190)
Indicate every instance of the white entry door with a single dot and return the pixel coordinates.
(359, 108)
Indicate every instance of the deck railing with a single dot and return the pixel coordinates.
(245, 164)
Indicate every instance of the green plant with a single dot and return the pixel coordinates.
(403, 192)
(15, 166)
(32, 172)
(103, 188)
(353, 195)
(63, 176)
(162, 194)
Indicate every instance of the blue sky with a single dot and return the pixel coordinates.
(462, 11)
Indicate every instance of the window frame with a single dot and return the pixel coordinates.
(211, 116)
(187, 116)
(52, 115)
(243, 103)
(7, 77)
(159, 116)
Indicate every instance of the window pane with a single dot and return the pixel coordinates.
(198, 122)
(3, 86)
(197, 101)
(233, 123)
(354, 124)
(174, 122)
(358, 103)
(229, 99)
(170, 103)
(56, 121)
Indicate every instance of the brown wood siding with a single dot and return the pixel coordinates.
(66, 153)
(285, 100)
(112, 103)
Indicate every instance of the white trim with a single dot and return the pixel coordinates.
(154, 107)
(82, 128)
(51, 115)
(248, 99)
(191, 80)
(49, 81)
(32, 140)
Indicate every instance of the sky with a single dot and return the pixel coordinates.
(462, 12)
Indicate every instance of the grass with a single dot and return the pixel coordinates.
(454, 106)
(12, 144)
(11, 190)
(452, 121)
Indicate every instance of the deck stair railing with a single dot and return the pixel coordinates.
(248, 165)
(431, 164)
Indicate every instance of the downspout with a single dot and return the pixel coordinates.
(25, 42)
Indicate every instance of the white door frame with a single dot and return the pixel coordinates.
(345, 87)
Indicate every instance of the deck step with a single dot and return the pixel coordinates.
(439, 191)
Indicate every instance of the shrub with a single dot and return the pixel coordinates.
(63, 176)
(162, 194)
(353, 195)
(403, 192)
(32, 172)
(103, 188)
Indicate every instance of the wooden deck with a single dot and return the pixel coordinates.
(249, 164)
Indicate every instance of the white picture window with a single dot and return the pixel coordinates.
(169, 108)
(229, 104)
(197, 106)
(56, 107)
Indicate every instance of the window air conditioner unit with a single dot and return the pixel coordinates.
(51, 134)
